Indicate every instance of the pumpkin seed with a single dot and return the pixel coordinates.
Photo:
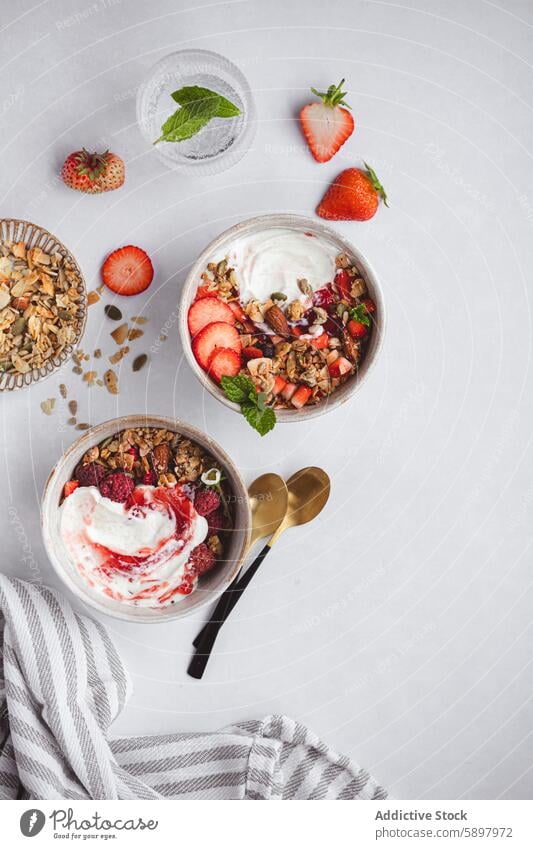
(112, 312)
(139, 362)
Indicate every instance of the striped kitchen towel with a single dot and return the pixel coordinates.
(62, 684)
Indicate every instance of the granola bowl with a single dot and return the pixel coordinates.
(289, 304)
(146, 519)
(43, 304)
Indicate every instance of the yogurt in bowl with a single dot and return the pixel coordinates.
(288, 304)
(146, 519)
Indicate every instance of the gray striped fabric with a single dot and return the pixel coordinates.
(62, 684)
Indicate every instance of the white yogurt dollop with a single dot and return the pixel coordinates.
(100, 535)
(274, 260)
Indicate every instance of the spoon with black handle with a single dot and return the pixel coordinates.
(309, 491)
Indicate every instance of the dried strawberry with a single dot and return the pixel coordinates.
(201, 559)
(324, 297)
(150, 478)
(90, 474)
(117, 486)
(206, 501)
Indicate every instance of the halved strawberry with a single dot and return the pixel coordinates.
(128, 271)
(301, 397)
(251, 353)
(238, 311)
(69, 488)
(369, 305)
(279, 385)
(320, 342)
(205, 311)
(340, 367)
(219, 334)
(288, 391)
(327, 125)
(223, 362)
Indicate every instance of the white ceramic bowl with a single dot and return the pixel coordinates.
(219, 247)
(209, 586)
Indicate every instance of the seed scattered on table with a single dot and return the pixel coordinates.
(48, 406)
(120, 334)
(73, 407)
(112, 312)
(139, 362)
(62, 390)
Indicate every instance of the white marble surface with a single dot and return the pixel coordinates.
(399, 625)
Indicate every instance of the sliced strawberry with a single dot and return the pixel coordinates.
(327, 125)
(206, 311)
(69, 488)
(288, 391)
(128, 271)
(223, 362)
(301, 397)
(279, 385)
(356, 329)
(219, 334)
(340, 367)
(251, 353)
(238, 311)
(204, 292)
(320, 342)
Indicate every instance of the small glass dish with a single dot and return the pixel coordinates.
(223, 141)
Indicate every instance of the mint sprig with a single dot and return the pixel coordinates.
(242, 391)
(197, 107)
(360, 314)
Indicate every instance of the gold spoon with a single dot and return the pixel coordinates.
(309, 490)
(269, 499)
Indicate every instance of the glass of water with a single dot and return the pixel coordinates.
(223, 141)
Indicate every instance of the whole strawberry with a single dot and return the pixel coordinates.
(354, 196)
(93, 173)
(327, 125)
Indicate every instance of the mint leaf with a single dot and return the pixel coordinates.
(239, 388)
(194, 93)
(187, 121)
(261, 420)
(360, 314)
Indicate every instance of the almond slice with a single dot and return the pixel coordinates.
(120, 334)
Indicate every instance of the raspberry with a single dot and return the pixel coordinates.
(216, 522)
(90, 474)
(150, 478)
(118, 487)
(201, 559)
(206, 501)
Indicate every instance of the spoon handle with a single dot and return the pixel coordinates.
(207, 637)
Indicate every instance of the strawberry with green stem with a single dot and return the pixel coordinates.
(328, 124)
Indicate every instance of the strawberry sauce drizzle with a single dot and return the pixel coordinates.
(177, 505)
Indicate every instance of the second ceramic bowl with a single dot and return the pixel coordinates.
(210, 585)
(217, 250)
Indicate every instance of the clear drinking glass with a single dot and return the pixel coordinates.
(223, 141)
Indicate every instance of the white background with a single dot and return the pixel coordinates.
(398, 626)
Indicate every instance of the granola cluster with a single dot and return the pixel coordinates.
(40, 295)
